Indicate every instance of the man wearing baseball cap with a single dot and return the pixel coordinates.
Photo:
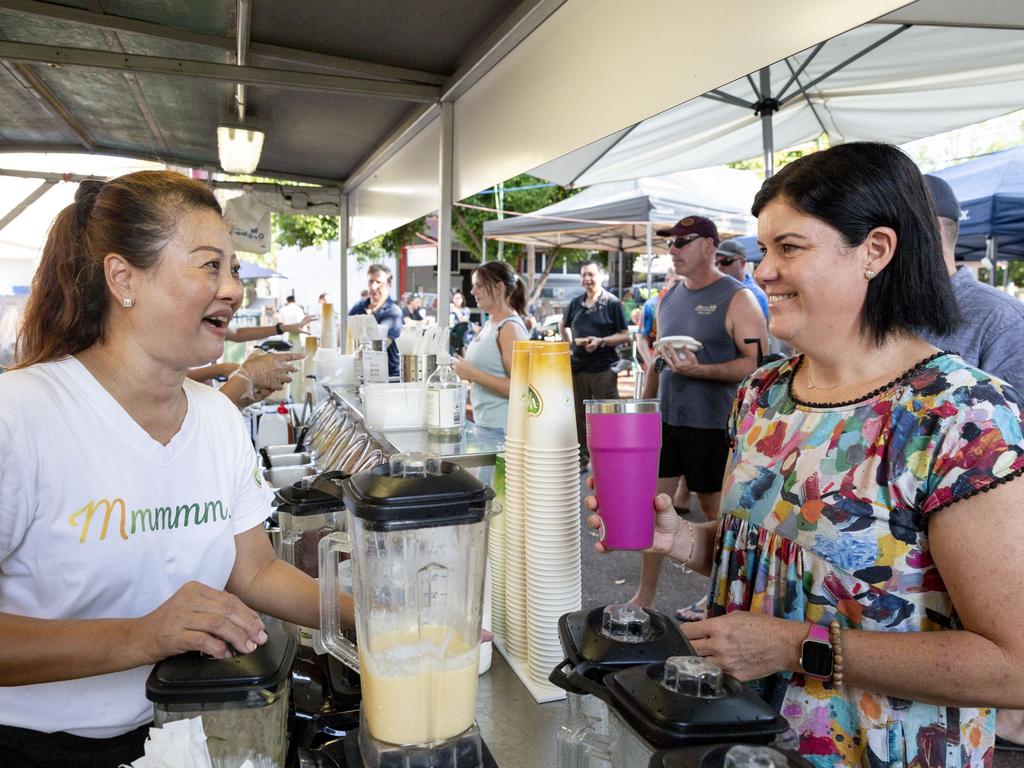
(697, 387)
(990, 334)
(731, 260)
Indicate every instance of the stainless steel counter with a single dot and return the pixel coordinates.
(476, 447)
(519, 732)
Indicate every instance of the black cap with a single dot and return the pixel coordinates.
(943, 198)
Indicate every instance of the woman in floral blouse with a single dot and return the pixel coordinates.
(870, 485)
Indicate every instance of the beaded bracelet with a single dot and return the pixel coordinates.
(837, 654)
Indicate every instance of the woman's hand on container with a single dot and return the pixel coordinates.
(199, 618)
(666, 522)
(747, 645)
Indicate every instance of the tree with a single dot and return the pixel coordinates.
(308, 231)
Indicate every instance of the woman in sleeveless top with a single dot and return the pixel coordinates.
(500, 294)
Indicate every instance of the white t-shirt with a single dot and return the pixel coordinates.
(99, 520)
(291, 313)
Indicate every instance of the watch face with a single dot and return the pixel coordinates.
(816, 658)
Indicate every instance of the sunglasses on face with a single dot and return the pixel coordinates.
(726, 261)
(681, 242)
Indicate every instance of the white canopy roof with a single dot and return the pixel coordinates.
(907, 82)
(614, 216)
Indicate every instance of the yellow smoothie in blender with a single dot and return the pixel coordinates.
(419, 685)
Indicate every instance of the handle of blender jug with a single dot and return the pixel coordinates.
(332, 547)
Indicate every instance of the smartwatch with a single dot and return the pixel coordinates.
(816, 653)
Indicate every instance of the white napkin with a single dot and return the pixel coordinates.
(179, 744)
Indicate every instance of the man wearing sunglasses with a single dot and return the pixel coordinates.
(697, 388)
(731, 260)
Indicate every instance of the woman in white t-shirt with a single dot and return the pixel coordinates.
(488, 362)
(131, 517)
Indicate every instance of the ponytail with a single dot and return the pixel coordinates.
(133, 216)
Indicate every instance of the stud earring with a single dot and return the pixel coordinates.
(868, 274)
(127, 302)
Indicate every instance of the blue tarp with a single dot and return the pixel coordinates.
(250, 271)
(991, 194)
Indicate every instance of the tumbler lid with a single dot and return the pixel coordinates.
(622, 406)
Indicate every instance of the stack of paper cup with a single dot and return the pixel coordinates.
(515, 503)
(496, 548)
(328, 334)
(552, 488)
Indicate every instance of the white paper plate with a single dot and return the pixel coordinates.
(679, 342)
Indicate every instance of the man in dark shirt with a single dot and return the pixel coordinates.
(597, 324)
(413, 309)
(385, 311)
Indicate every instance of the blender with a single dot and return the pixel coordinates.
(597, 642)
(417, 534)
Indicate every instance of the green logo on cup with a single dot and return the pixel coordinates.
(534, 404)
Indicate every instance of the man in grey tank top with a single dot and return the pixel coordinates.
(697, 388)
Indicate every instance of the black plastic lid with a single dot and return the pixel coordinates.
(669, 719)
(191, 677)
(712, 756)
(315, 495)
(453, 497)
(583, 641)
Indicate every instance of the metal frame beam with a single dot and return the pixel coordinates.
(18, 209)
(32, 83)
(281, 78)
(445, 206)
(261, 50)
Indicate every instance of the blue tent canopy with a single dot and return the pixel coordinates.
(250, 271)
(991, 194)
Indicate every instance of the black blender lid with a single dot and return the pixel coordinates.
(191, 677)
(314, 495)
(583, 640)
(452, 497)
(713, 756)
(669, 719)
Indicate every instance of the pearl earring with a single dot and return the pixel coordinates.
(868, 274)
(127, 302)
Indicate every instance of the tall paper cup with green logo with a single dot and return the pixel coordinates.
(551, 415)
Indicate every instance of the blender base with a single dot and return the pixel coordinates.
(353, 757)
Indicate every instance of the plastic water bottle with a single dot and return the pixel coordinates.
(444, 399)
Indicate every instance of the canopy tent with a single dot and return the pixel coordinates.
(621, 216)
(249, 271)
(920, 71)
(991, 194)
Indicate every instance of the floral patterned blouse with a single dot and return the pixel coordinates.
(825, 515)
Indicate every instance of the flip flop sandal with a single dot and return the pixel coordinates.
(697, 611)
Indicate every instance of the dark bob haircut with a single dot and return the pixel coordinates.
(855, 188)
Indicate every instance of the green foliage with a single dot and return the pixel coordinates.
(1016, 268)
(304, 231)
(782, 156)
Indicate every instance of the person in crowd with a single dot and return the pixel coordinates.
(853, 512)
(989, 336)
(385, 311)
(697, 388)
(594, 324)
(413, 309)
(500, 293)
(649, 316)
(731, 260)
(292, 314)
(458, 310)
(131, 522)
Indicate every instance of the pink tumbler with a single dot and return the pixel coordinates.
(624, 438)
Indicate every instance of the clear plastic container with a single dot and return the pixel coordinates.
(243, 701)
(394, 406)
(371, 361)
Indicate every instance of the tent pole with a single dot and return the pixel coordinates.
(341, 304)
(483, 250)
(767, 139)
(620, 259)
(649, 256)
(444, 212)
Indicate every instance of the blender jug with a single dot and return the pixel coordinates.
(417, 530)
